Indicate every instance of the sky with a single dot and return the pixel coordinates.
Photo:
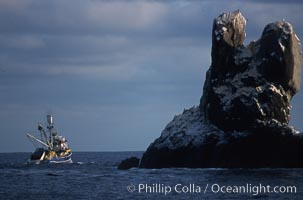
(113, 73)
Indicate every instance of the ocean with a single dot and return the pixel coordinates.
(94, 175)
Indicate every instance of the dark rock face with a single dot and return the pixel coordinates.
(266, 145)
(128, 163)
(257, 82)
(187, 141)
(282, 47)
(242, 119)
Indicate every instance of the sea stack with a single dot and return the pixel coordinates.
(243, 116)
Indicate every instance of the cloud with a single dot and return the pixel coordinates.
(124, 15)
(110, 40)
(277, 1)
(15, 5)
(93, 60)
(83, 17)
(24, 42)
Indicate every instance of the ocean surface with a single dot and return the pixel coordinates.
(94, 175)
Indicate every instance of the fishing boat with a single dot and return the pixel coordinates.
(50, 147)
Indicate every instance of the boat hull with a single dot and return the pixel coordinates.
(41, 157)
(65, 159)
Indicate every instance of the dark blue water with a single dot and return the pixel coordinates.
(94, 175)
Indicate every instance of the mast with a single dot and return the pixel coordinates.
(50, 127)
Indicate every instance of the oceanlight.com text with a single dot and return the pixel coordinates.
(253, 189)
(215, 188)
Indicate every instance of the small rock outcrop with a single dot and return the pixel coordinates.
(243, 116)
(128, 163)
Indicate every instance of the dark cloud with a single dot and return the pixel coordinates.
(277, 1)
(117, 67)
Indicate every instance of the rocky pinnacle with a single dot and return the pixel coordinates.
(242, 119)
(248, 84)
